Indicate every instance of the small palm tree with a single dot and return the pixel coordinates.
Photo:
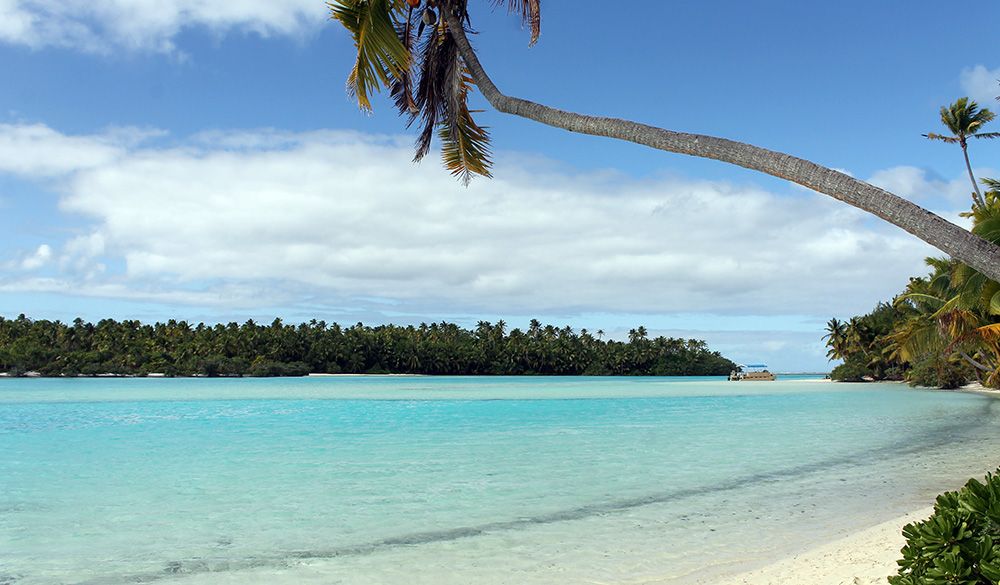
(964, 119)
(836, 339)
(858, 336)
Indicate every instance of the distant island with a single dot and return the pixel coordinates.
(177, 348)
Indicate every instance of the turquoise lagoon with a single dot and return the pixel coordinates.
(364, 480)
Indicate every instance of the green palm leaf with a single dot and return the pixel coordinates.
(964, 118)
(928, 299)
(995, 304)
(950, 306)
(988, 229)
(382, 57)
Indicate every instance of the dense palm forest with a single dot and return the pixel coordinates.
(944, 328)
(176, 348)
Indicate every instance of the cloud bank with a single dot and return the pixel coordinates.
(981, 84)
(244, 219)
(102, 26)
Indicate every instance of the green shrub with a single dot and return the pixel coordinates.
(262, 368)
(853, 370)
(959, 544)
(937, 371)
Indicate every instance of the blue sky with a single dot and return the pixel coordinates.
(201, 160)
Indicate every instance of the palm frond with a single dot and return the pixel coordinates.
(938, 264)
(435, 54)
(956, 324)
(970, 293)
(442, 97)
(531, 14)
(941, 137)
(914, 338)
(988, 228)
(927, 299)
(465, 145)
(950, 306)
(986, 135)
(986, 293)
(990, 332)
(382, 57)
(964, 118)
(401, 89)
(993, 184)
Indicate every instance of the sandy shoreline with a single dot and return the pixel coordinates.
(862, 558)
(865, 557)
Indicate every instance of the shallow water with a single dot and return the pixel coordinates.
(459, 480)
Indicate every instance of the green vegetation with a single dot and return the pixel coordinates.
(944, 329)
(959, 543)
(860, 343)
(176, 348)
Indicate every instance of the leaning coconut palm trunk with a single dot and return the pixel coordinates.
(448, 61)
(935, 230)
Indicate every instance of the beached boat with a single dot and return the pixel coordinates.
(751, 373)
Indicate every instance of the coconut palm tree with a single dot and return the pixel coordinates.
(859, 336)
(836, 339)
(965, 120)
(945, 316)
(390, 55)
(956, 309)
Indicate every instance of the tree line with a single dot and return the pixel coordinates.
(943, 329)
(176, 348)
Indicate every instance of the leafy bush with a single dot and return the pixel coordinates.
(262, 368)
(853, 370)
(937, 371)
(960, 543)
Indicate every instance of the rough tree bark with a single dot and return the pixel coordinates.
(959, 243)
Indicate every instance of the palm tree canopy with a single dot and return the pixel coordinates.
(404, 46)
(964, 119)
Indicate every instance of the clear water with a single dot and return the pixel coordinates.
(459, 480)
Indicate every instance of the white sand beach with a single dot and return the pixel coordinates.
(863, 558)
(980, 389)
(866, 557)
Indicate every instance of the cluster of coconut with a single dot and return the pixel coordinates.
(429, 16)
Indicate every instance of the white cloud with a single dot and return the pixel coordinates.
(921, 185)
(39, 258)
(37, 150)
(101, 26)
(981, 84)
(229, 296)
(782, 351)
(330, 217)
(908, 182)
